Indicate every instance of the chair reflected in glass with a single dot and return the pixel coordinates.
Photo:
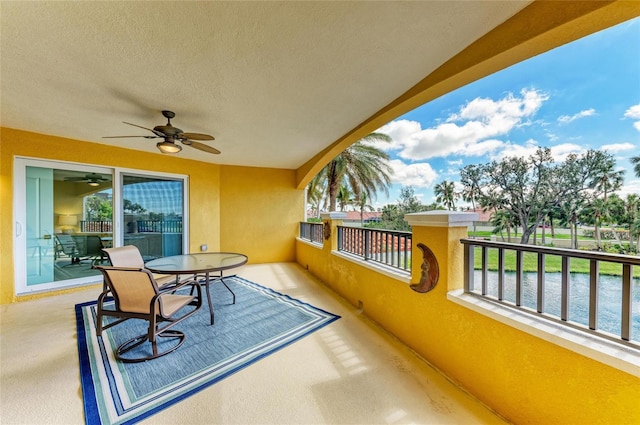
(136, 295)
(66, 245)
(79, 248)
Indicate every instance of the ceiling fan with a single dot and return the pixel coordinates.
(92, 179)
(171, 134)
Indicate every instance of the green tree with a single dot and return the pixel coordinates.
(362, 203)
(393, 214)
(131, 207)
(98, 208)
(635, 160)
(593, 214)
(501, 221)
(607, 181)
(529, 187)
(446, 194)
(362, 166)
(344, 197)
(470, 178)
(316, 190)
(631, 216)
(634, 232)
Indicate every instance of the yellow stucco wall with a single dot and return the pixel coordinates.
(249, 196)
(525, 379)
(241, 217)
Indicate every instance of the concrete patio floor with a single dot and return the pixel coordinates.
(350, 372)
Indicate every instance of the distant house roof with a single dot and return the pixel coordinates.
(366, 215)
(483, 215)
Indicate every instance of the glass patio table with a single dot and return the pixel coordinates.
(209, 265)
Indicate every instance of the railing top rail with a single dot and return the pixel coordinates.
(575, 253)
(369, 229)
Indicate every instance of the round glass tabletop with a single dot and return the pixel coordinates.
(197, 263)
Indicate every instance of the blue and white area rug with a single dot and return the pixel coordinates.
(261, 322)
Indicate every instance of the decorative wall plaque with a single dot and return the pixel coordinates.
(430, 271)
(327, 230)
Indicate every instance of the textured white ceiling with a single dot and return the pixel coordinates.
(274, 82)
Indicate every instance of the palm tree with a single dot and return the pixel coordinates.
(344, 197)
(470, 178)
(632, 216)
(445, 193)
(361, 203)
(500, 221)
(634, 231)
(595, 213)
(362, 166)
(635, 160)
(316, 190)
(606, 183)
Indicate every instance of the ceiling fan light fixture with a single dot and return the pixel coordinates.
(168, 147)
(93, 183)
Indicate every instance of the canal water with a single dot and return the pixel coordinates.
(609, 298)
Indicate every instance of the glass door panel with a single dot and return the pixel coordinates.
(58, 207)
(153, 211)
(39, 225)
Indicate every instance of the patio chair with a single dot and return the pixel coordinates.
(129, 256)
(137, 296)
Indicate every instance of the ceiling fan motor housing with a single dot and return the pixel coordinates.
(168, 130)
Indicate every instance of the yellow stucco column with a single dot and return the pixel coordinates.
(440, 231)
(330, 223)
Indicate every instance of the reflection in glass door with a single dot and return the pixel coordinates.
(153, 211)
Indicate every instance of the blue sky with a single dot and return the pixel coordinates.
(584, 95)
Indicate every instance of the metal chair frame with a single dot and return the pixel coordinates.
(127, 287)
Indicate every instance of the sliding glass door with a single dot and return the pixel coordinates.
(66, 213)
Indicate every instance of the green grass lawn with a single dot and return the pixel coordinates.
(488, 234)
(553, 263)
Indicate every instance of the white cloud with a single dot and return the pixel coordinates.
(634, 113)
(469, 132)
(558, 153)
(630, 187)
(566, 119)
(618, 147)
(417, 175)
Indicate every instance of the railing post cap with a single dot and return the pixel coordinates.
(440, 218)
(333, 215)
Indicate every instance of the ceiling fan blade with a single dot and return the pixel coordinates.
(202, 147)
(126, 137)
(157, 133)
(197, 136)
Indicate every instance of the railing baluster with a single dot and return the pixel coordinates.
(625, 332)
(566, 288)
(593, 294)
(519, 278)
(469, 267)
(485, 272)
(500, 274)
(540, 294)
